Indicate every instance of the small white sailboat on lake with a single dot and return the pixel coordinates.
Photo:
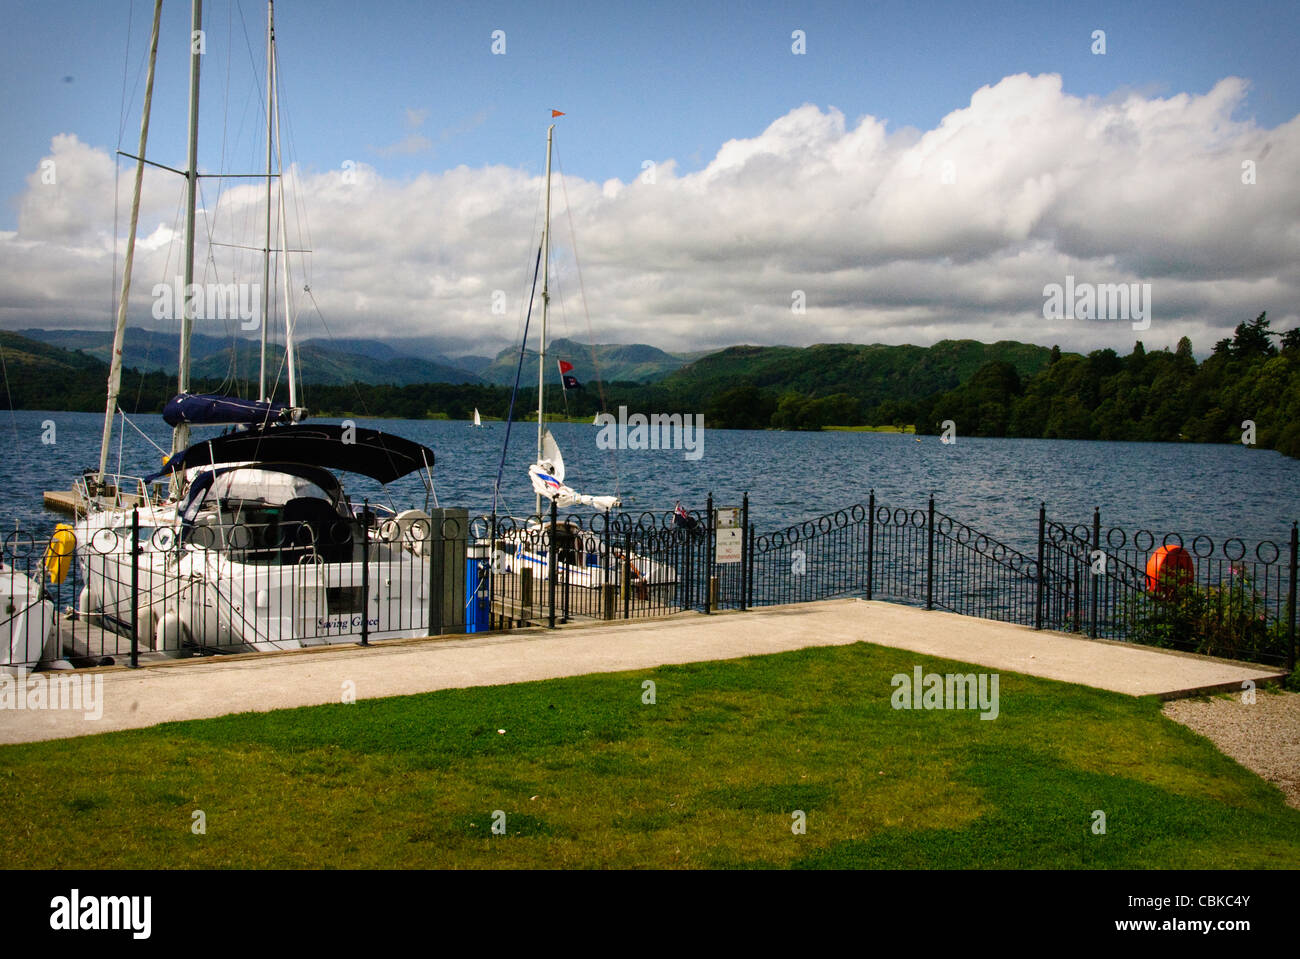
(580, 553)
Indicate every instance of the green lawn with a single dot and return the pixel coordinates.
(708, 776)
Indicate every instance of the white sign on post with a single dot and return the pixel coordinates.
(730, 534)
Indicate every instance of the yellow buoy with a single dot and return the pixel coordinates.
(58, 555)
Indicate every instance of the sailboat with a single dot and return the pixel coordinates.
(256, 544)
(478, 420)
(580, 555)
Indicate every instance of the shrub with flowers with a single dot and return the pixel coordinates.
(1230, 618)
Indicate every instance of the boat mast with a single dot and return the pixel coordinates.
(181, 434)
(119, 332)
(284, 250)
(546, 297)
(266, 252)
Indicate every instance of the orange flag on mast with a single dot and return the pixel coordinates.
(556, 113)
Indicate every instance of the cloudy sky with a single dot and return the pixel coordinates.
(917, 172)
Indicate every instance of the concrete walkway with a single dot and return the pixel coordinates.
(260, 682)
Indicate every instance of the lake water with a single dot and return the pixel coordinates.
(994, 485)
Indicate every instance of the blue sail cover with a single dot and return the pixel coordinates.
(211, 410)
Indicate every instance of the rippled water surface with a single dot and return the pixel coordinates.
(994, 485)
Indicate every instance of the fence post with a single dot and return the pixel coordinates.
(749, 600)
(744, 551)
(1038, 588)
(627, 572)
(871, 539)
(1093, 585)
(135, 588)
(492, 563)
(929, 557)
(1291, 600)
(710, 539)
(365, 574)
(551, 570)
(606, 587)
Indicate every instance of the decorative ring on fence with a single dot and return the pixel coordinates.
(1260, 556)
(858, 513)
(981, 544)
(778, 540)
(762, 544)
(389, 530)
(1144, 546)
(420, 530)
(480, 527)
(824, 524)
(1203, 551)
(241, 537)
(103, 540)
(790, 534)
(1056, 533)
(455, 527)
(882, 515)
(944, 525)
(62, 544)
(1110, 538)
(19, 538)
(163, 539)
(205, 537)
(1175, 536)
(999, 553)
(1085, 536)
(603, 520)
(1241, 549)
(841, 518)
(963, 535)
(918, 518)
(646, 521)
(900, 517)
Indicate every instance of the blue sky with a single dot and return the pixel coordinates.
(816, 172)
(638, 81)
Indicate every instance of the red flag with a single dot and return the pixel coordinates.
(565, 367)
(556, 113)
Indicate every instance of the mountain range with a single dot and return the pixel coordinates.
(341, 361)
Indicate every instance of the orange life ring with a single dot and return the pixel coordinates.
(1168, 568)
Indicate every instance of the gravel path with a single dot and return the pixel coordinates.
(1264, 737)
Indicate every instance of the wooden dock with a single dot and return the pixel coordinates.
(63, 501)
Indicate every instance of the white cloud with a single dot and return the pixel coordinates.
(903, 236)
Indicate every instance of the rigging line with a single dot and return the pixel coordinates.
(147, 437)
(139, 392)
(126, 60)
(330, 333)
(591, 339)
(496, 489)
(5, 369)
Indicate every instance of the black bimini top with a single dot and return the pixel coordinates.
(354, 449)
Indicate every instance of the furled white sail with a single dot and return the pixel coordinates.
(548, 480)
(478, 421)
